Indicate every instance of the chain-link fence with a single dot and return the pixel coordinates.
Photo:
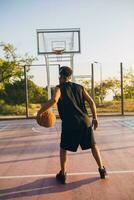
(111, 87)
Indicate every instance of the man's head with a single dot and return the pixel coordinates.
(65, 74)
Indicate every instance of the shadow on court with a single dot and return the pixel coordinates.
(43, 186)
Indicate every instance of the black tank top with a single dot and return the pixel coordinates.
(71, 105)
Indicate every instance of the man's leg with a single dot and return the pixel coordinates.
(95, 150)
(63, 160)
(61, 176)
(96, 155)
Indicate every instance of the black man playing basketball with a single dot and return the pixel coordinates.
(76, 126)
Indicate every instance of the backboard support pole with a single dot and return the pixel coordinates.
(48, 77)
(72, 66)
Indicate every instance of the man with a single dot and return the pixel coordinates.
(76, 126)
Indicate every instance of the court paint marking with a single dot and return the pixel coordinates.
(69, 174)
(129, 123)
(3, 127)
(38, 131)
(41, 130)
(35, 130)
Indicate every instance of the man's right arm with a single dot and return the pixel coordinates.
(51, 101)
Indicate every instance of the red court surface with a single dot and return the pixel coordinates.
(29, 160)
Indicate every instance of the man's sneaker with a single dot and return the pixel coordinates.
(103, 173)
(60, 177)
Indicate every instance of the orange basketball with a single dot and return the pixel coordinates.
(46, 119)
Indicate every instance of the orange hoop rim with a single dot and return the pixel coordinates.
(58, 50)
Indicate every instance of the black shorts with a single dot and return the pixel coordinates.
(71, 139)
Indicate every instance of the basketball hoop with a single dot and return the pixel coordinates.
(58, 51)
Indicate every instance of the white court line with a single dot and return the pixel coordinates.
(69, 174)
(35, 130)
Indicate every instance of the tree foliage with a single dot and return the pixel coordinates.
(15, 93)
(11, 66)
(114, 86)
(129, 84)
(12, 83)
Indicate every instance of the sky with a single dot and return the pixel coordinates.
(107, 31)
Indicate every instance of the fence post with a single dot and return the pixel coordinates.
(122, 94)
(26, 91)
(92, 81)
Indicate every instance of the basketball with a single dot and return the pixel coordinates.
(46, 119)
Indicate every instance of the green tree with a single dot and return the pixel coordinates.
(114, 86)
(129, 84)
(15, 93)
(36, 94)
(86, 84)
(101, 90)
(11, 66)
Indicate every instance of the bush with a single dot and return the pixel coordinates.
(6, 109)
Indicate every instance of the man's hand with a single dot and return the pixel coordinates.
(94, 123)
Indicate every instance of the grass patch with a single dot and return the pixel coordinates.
(106, 107)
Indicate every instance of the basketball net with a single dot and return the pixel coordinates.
(58, 51)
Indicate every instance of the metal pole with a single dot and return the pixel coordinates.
(48, 77)
(26, 91)
(101, 96)
(59, 68)
(92, 81)
(101, 83)
(122, 94)
(72, 66)
(59, 71)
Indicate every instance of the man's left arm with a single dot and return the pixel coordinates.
(92, 107)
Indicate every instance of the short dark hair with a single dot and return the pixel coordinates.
(65, 71)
